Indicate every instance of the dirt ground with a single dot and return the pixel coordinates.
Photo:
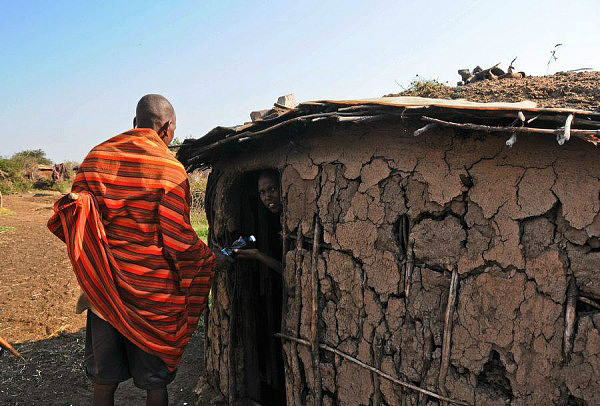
(38, 292)
(573, 90)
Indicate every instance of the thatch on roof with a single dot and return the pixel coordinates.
(490, 117)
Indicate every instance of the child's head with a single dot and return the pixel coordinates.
(269, 191)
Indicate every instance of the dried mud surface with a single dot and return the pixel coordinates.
(37, 286)
(38, 293)
(400, 215)
(573, 90)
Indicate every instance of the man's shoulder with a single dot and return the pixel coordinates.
(178, 171)
(153, 152)
(110, 142)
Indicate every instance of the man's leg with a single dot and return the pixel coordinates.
(105, 359)
(104, 395)
(157, 397)
(150, 373)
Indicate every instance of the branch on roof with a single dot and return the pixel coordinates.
(424, 129)
(566, 135)
(587, 135)
(222, 141)
(250, 134)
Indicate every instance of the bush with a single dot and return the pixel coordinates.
(64, 186)
(15, 173)
(420, 84)
(17, 184)
(198, 180)
(70, 173)
(200, 225)
(8, 166)
(43, 184)
(36, 156)
(6, 212)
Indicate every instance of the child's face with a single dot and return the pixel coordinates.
(268, 189)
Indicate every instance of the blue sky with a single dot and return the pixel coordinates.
(73, 71)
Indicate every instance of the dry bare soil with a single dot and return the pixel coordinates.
(38, 292)
(568, 90)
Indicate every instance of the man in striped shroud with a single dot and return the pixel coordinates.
(136, 256)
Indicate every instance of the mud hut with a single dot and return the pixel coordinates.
(434, 250)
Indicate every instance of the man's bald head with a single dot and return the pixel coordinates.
(154, 111)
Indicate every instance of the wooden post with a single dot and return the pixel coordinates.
(408, 275)
(231, 381)
(570, 317)
(314, 309)
(447, 339)
(295, 362)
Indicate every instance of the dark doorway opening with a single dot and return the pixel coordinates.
(259, 302)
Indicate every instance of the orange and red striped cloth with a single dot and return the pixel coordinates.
(133, 250)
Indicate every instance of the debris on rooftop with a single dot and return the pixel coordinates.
(493, 73)
(283, 104)
(575, 90)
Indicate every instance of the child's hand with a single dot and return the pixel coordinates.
(251, 253)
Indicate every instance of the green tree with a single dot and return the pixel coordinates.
(36, 156)
(13, 170)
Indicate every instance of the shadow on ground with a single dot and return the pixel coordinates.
(53, 374)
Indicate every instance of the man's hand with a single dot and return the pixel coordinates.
(222, 262)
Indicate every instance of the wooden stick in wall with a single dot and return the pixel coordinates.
(372, 369)
(447, 338)
(314, 338)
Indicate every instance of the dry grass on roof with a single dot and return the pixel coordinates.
(569, 90)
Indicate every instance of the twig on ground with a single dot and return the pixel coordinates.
(6, 345)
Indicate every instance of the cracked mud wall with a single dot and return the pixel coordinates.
(399, 215)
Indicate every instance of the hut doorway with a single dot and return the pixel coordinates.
(259, 302)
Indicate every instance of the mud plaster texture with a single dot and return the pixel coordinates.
(516, 224)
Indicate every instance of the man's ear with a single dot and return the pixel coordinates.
(164, 130)
(134, 122)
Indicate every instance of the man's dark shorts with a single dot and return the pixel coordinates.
(110, 358)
